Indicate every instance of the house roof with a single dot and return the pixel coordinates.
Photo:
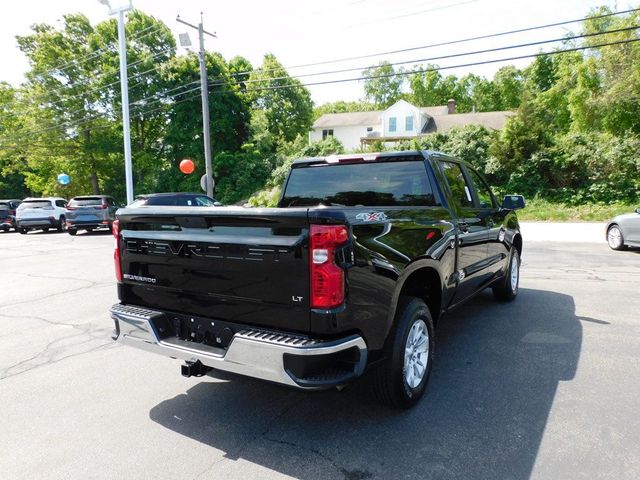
(442, 120)
(348, 119)
(493, 120)
(366, 119)
(433, 111)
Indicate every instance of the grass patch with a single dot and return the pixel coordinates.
(545, 211)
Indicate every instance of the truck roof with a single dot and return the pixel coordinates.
(366, 157)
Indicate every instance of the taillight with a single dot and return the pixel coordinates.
(327, 278)
(102, 206)
(116, 250)
(69, 207)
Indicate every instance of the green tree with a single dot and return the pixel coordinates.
(286, 103)
(343, 107)
(507, 85)
(384, 84)
(74, 101)
(228, 111)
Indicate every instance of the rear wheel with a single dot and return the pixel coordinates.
(615, 239)
(72, 231)
(402, 379)
(62, 224)
(507, 289)
(23, 231)
(45, 229)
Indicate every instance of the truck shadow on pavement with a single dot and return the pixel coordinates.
(495, 376)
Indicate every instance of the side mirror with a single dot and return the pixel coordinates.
(513, 202)
(217, 204)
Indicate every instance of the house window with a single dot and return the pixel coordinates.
(408, 123)
(392, 124)
(327, 133)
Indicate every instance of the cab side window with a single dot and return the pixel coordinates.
(460, 189)
(61, 203)
(484, 193)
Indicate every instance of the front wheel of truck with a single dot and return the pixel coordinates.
(402, 379)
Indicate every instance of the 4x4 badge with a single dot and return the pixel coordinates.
(372, 217)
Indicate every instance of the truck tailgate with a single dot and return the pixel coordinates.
(248, 266)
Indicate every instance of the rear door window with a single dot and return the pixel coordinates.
(396, 183)
(460, 189)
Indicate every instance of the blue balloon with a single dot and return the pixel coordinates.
(63, 179)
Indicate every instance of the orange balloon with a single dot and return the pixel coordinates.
(187, 166)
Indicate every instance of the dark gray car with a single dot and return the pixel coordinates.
(175, 199)
(624, 231)
(8, 214)
(90, 212)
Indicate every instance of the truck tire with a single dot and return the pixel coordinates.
(402, 379)
(62, 224)
(507, 289)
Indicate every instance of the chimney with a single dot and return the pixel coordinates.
(451, 106)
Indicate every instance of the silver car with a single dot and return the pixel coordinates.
(90, 212)
(624, 231)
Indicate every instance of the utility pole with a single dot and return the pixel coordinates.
(205, 101)
(119, 9)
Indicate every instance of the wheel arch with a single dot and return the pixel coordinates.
(422, 280)
(517, 243)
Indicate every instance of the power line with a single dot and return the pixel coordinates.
(99, 87)
(104, 74)
(97, 52)
(463, 40)
(451, 42)
(160, 96)
(449, 67)
(237, 74)
(360, 78)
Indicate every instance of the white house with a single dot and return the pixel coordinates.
(400, 121)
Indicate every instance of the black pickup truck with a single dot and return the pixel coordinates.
(351, 272)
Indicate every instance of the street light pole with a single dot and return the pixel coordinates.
(124, 87)
(204, 90)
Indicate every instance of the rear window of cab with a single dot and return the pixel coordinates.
(394, 183)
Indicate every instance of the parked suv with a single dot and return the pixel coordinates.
(41, 214)
(8, 214)
(89, 212)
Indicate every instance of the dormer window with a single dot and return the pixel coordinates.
(408, 123)
(392, 124)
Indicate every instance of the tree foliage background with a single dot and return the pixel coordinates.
(575, 135)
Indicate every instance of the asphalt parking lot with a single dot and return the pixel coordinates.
(545, 387)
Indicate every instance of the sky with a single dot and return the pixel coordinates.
(302, 32)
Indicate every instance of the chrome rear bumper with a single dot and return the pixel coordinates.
(257, 353)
